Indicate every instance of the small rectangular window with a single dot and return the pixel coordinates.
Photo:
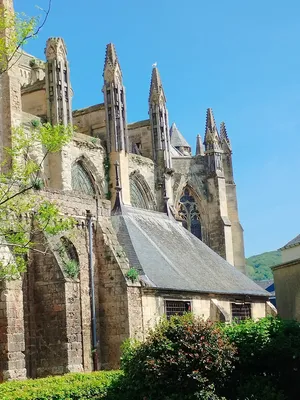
(240, 311)
(176, 307)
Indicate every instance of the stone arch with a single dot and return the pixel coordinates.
(85, 177)
(140, 192)
(70, 249)
(192, 212)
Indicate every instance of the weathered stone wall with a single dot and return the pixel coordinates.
(206, 306)
(89, 151)
(139, 133)
(91, 121)
(54, 334)
(112, 289)
(34, 100)
(12, 339)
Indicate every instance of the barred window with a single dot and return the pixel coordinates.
(176, 307)
(240, 311)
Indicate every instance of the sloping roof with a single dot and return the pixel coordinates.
(293, 242)
(169, 257)
(267, 284)
(177, 139)
(175, 152)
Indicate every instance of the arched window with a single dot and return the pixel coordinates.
(140, 192)
(188, 211)
(81, 180)
(136, 196)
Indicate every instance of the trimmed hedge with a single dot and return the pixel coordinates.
(76, 386)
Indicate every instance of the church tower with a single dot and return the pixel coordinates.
(220, 235)
(116, 123)
(160, 133)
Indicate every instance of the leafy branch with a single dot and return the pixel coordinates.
(15, 31)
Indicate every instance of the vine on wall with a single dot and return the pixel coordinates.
(106, 164)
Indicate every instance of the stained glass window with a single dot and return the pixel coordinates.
(188, 211)
(81, 181)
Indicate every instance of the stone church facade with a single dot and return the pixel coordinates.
(142, 203)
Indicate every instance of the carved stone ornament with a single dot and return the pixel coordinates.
(55, 48)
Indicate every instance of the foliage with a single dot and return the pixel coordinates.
(132, 274)
(259, 267)
(68, 387)
(71, 268)
(269, 352)
(183, 355)
(18, 28)
(106, 164)
(23, 210)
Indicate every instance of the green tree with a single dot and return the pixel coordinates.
(24, 210)
(16, 29)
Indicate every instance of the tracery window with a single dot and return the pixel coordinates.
(81, 180)
(188, 211)
(136, 196)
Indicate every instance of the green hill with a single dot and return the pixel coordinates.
(258, 267)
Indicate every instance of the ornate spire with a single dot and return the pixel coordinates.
(58, 84)
(111, 57)
(224, 136)
(199, 146)
(112, 69)
(55, 48)
(211, 131)
(156, 87)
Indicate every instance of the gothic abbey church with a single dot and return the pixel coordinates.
(166, 235)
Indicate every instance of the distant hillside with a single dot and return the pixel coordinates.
(258, 267)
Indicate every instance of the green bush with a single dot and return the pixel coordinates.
(77, 386)
(183, 358)
(268, 355)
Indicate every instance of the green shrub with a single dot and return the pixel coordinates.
(183, 358)
(68, 387)
(269, 353)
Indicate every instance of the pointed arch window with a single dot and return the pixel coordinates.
(189, 212)
(140, 192)
(81, 180)
(136, 196)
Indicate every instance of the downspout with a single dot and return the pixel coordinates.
(92, 292)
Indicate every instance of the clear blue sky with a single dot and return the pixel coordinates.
(241, 58)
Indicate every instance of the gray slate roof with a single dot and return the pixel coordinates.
(169, 257)
(177, 139)
(292, 242)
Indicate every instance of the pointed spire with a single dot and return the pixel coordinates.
(156, 88)
(223, 132)
(199, 146)
(111, 65)
(224, 136)
(110, 55)
(211, 131)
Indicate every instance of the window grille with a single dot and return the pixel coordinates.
(175, 307)
(240, 311)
